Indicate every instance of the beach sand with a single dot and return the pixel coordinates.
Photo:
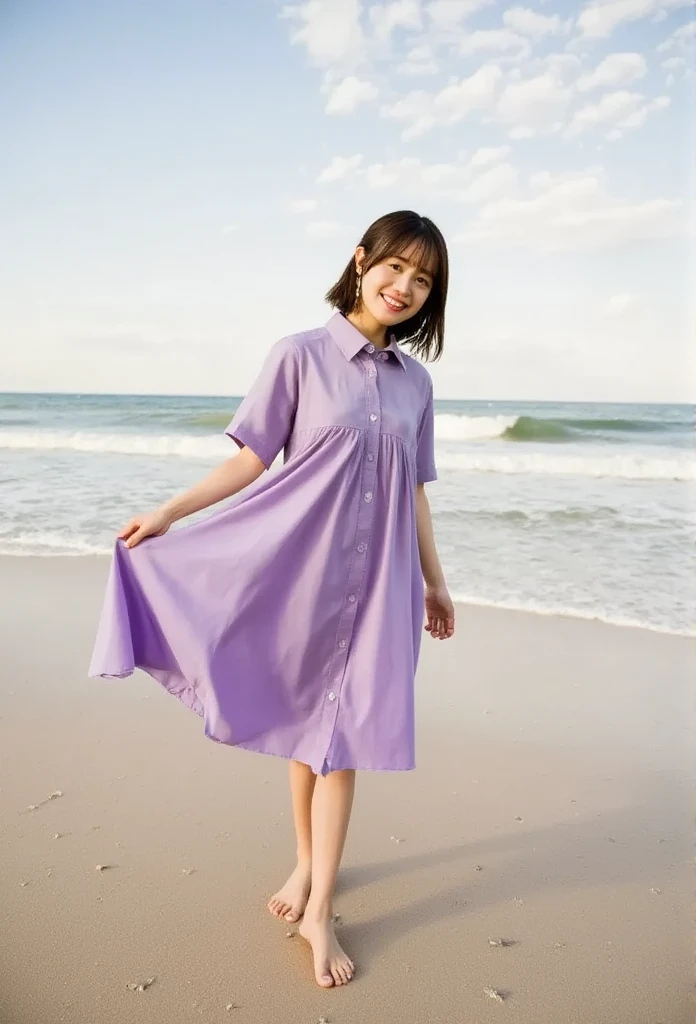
(551, 807)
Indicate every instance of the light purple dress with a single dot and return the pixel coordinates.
(291, 618)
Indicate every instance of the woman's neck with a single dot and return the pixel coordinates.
(374, 331)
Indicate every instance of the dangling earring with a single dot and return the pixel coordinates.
(357, 288)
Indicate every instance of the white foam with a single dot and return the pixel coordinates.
(182, 445)
(449, 427)
(596, 615)
(216, 446)
(627, 467)
(50, 543)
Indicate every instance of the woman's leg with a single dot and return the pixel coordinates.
(331, 807)
(289, 902)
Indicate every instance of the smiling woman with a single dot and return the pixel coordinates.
(291, 621)
(398, 279)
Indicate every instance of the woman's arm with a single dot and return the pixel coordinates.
(230, 477)
(430, 563)
(438, 604)
(222, 482)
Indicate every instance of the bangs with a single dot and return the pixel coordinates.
(408, 236)
(420, 247)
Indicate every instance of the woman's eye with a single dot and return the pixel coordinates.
(396, 266)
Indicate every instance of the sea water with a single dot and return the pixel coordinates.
(580, 509)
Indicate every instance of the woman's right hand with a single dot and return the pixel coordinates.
(154, 524)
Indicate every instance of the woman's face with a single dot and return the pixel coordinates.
(394, 290)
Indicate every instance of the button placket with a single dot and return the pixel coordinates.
(357, 566)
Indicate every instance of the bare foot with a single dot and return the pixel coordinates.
(331, 965)
(290, 901)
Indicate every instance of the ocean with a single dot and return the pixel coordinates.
(583, 509)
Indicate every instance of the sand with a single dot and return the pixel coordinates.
(551, 808)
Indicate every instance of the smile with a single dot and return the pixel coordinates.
(393, 304)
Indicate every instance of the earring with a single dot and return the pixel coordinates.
(357, 288)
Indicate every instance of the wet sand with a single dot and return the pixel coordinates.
(551, 808)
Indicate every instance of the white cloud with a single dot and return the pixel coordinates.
(488, 155)
(618, 304)
(683, 38)
(303, 205)
(409, 174)
(348, 94)
(229, 229)
(501, 40)
(417, 69)
(457, 100)
(479, 179)
(529, 23)
(599, 18)
(496, 183)
(638, 117)
(534, 105)
(421, 52)
(572, 212)
(324, 229)
(616, 69)
(339, 167)
(420, 60)
(329, 29)
(398, 14)
(447, 15)
(674, 64)
(422, 110)
(620, 110)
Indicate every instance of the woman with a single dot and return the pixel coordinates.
(290, 619)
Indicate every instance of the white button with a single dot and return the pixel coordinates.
(362, 547)
(351, 598)
(383, 355)
(370, 457)
(371, 372)
(341, 643)
(368, 495)
(370, 348)
(332, 695)
(373, 416)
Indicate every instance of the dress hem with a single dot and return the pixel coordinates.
(125, 673)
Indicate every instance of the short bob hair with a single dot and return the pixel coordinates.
(392, 235)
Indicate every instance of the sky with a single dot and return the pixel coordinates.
(181, 183)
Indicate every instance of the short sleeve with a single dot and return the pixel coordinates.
(265, 417)
(425, 450)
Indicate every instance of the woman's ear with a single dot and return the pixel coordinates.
(359, 256)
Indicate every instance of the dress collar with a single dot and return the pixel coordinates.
(351, 341)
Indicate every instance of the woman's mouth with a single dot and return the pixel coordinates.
(393, 305)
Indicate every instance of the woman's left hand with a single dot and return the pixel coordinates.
(440, 612)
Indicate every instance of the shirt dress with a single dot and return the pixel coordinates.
(290, 619)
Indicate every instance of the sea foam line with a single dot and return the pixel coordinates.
(213, 446)
(626, 467)
(572, 613)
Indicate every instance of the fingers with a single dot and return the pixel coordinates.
(441, 629)
(135, 539)
(128, 529)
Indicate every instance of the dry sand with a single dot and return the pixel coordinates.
(551, 807)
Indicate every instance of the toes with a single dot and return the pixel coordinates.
(325, 980)
(292, 916)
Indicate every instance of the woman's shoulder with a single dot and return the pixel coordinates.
(307, 337)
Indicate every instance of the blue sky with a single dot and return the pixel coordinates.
(181, 183)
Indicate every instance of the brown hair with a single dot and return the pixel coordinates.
(388, 236)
